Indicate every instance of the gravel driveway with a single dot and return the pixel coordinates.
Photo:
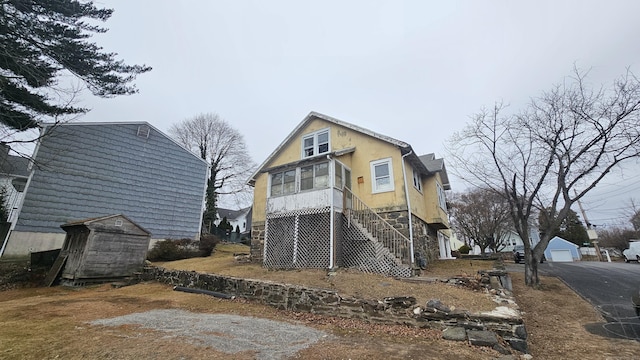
(227, 333)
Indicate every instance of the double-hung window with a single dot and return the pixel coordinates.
(316, 143)
(417, 180)
(382, 175)
(314, 176)
(283, 183)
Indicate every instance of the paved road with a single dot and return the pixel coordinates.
(608, 286)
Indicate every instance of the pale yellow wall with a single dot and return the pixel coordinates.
(433, 209)
(423, 205)
(258, 213)
(367, 149)
(417, 198)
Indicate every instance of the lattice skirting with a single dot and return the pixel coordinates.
(358, 250)
(298, 239)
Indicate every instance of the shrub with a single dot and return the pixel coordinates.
(170, 250)
(207, 244)
(464, 249)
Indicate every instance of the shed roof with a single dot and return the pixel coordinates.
(89, 221)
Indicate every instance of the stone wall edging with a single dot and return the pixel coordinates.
(397, 310)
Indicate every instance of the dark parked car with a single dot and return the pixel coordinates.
(518, 254)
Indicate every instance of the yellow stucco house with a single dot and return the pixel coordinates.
(334, 194)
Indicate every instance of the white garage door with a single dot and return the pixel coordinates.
(561, 256)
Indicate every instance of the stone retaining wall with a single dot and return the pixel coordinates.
(504, 321)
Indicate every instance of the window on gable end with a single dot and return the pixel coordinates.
(308, 146)
(316, 143)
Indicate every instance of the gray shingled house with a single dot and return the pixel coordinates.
(86, 170)
(14, 174)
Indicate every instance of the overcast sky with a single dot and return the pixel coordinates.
(412, 70)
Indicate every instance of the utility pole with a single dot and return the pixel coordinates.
(592, 233)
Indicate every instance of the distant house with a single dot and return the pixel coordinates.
(237, 218)
(512, 239)
(334, 194)
(87, 170)
(561, 250)
(14, 174)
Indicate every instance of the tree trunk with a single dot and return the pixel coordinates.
(531, 271)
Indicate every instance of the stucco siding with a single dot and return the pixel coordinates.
(87, 170)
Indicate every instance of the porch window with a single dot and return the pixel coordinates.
(382, 175)
(342, 176)
(314, 176)
(316, 143)
(347, 178)
(283, 183)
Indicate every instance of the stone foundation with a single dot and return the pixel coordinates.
(504, 322)
(425, 243)
(257, 241)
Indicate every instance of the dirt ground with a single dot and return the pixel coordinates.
(49, 323)
(350, 282)
(555, 318)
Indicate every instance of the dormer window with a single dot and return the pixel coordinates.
(316, 143)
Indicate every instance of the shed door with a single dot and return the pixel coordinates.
(561, 256)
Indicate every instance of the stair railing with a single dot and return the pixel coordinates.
(357, 211)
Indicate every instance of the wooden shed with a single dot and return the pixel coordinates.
(102, 249)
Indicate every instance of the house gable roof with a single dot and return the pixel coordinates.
(232, 214)
(404, 147)
(45, 126)
(89, 221)
(434, 165)
(558, 240)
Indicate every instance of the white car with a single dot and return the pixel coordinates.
(633, 252)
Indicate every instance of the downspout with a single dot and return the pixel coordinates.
(331, 215)
(406, 193)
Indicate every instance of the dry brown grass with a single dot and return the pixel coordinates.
(348, 282)
(47, 323)
(52, 323)
(555, 317)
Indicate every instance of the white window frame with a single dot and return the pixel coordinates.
(417, 180)
(374, 183)
(315, 176)
(315, 147)
(295, 181)
(345, 180)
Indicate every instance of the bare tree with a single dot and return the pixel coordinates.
(633, 212)
(481, 217)
(565, 141)
(223, 147)
(617, 237)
